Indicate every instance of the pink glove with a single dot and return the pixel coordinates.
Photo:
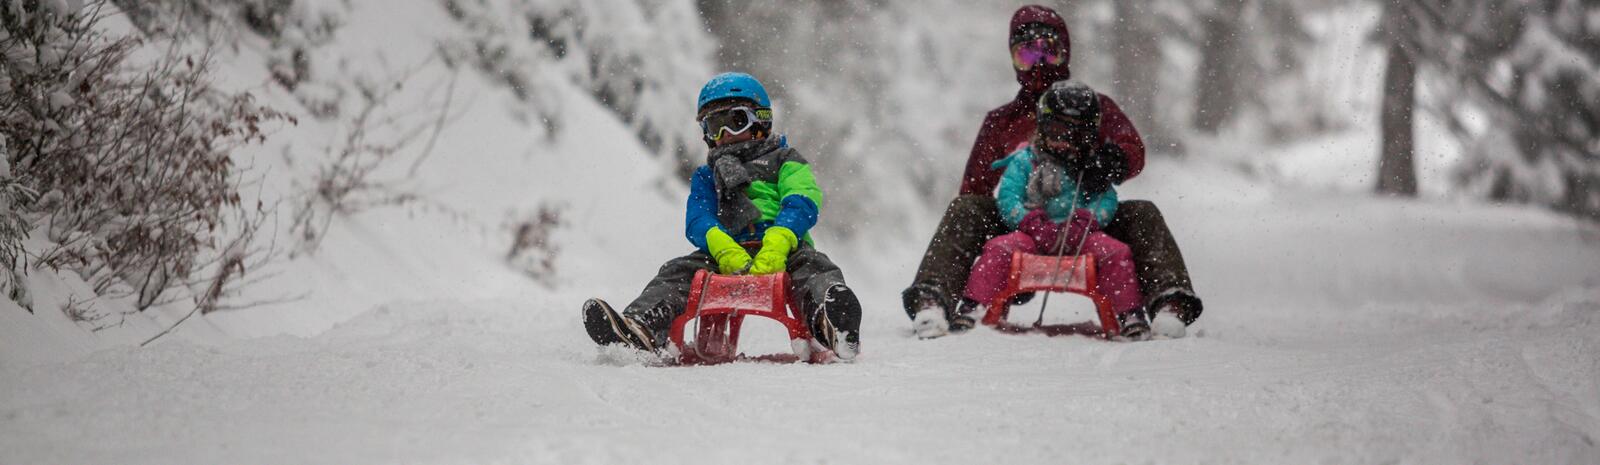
(1037, 225)
(1081, 224)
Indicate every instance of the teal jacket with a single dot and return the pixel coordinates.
(1012, 196)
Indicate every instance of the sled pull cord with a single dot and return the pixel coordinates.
(1061, 241)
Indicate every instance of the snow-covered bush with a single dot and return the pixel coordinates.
(532, 249)
(347, 176)
(130, 156)
(13, 228)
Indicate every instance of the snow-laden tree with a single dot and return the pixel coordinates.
(644, 60)
(287, 33)
(1183, 67)
(1529, 72)
(1542, 91)
(1250, 62)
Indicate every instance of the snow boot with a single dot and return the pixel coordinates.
(968, 312)
(930, 323)
(606, 327)
(1166, 325)
(1173, 311)
(1135, 325)
(837, 324)
(930, 315)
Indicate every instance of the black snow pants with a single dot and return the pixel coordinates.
(811, 273)
(971, 220)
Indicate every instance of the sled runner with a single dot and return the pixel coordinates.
(1035, 273)
(718, 305)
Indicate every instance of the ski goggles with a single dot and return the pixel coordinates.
(1063, 133)
(732, 121)
(1030, 53)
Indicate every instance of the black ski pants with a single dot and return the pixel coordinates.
(811, 273)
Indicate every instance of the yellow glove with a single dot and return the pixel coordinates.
(775, 247)
(731, 258)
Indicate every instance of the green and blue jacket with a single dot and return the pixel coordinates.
(783, 188)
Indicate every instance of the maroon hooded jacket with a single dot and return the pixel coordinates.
(1011, 125)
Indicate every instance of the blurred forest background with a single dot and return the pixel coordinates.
(1516, 83)
(158, 149)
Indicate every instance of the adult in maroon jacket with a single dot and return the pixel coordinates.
(972, 218)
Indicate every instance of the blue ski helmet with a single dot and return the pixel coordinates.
(733, 85)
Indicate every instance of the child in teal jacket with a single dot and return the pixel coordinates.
(1050, 211)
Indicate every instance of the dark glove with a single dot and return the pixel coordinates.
(1080, 225)
(1037, 225)
(1107, 166)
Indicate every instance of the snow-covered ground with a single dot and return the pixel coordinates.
(1340, 328)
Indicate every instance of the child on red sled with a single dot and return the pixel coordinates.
(1043, 200)
(754, 191)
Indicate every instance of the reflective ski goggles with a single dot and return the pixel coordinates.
(1028, 54)
(733, 121)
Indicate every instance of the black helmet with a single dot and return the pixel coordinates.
(1071, 101)
(1069, 111)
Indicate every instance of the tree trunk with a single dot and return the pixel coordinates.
(1136, 71)
(1218, 81)
(1397, 173)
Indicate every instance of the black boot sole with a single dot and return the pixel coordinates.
(962, 323)
(841, 313)
(1136, 332)
(605, 326)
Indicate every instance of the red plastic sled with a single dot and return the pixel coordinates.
(1033, 273)
(719, 303)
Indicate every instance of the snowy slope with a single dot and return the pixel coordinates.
(1340, 329)
(487, 169)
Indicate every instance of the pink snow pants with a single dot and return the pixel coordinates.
(1113, 263)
